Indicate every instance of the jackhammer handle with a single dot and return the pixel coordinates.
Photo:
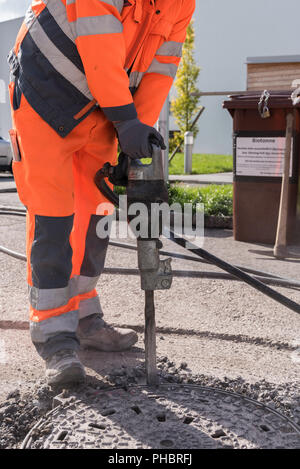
(157, 161)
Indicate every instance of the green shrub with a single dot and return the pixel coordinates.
(217, 199)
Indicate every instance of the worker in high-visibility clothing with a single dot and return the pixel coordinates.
(84, 75)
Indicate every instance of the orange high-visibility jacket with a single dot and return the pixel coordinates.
(74, 55)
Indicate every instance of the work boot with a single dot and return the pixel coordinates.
(94, 332)
(64, 367)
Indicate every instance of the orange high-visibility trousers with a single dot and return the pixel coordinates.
(55, 181)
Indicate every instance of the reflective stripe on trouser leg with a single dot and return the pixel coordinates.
(91, 269)
(54, 310)
(55, 334)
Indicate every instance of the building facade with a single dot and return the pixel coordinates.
(227, 33)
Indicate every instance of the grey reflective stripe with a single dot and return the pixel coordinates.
(58, 11)
(42, 299)
(58, 60)
(135, 79)
(168, 70)
(30, 18)
(42, 331)
(119, 4)
(90, 306)
(105, 24)
(45, 299)
(81, 284)
(86, 284)
(171, 49)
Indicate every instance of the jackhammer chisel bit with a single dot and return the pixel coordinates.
(155, 274)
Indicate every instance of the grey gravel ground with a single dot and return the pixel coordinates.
(21, 411)
(228, 334)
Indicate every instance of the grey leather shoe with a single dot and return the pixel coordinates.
(64, 367)
(95, 333)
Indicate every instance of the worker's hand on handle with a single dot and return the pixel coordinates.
(136, 139)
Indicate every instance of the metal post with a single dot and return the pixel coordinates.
(163, 128)
(192, 126)
(280, 249)
(188, 152)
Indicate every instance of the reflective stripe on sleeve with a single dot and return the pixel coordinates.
(168, 70)
(92, 25)
(119, 4)
(171, 49)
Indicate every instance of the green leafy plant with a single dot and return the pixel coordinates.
(217, 199)
(185, 106)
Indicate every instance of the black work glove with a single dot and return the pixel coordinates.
(136, 139)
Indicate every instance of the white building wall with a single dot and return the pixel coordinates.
(227, 32)
(8, 33)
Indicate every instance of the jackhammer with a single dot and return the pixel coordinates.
(144, 185)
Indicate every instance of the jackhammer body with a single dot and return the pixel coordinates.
(145, 186)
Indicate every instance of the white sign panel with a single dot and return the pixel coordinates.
(261, 156)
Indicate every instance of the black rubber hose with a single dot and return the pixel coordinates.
(22, 212)
(14, 254)
(236, 272)
(265, 277)
(9, 212)
(176, 255)
(114, 199)
(8, 191)
(8, 208)
(200, 274)
(105, 189)
(257, 284)
(176, 273)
